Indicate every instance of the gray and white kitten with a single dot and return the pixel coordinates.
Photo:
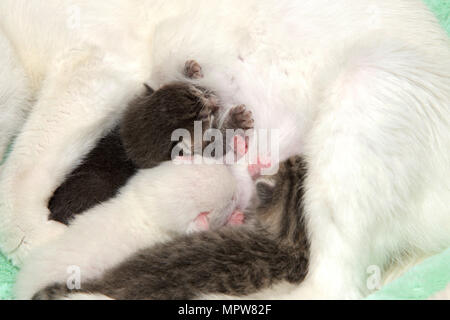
(270, 247)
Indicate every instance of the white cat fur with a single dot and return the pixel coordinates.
(154, 206)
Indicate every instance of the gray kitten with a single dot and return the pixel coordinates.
(270, 247)
(142, 140)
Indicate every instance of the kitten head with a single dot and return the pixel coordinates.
(147, 125)
(278, 204)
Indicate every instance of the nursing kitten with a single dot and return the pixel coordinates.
(142, 140)
(111, 232)
(272, 246)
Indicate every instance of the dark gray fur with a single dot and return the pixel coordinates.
(272, 246)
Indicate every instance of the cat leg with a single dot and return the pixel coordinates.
(223, 214)
(81, 99)
(239, 117)
(15, 95)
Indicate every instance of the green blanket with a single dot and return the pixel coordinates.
(7, 274)
(418, 283)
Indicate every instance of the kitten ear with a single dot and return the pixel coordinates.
(265, 190)
(149, 89)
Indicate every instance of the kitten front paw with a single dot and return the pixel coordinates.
(241, 118)
(200, 223)
(237, 218)
(193, 70)
(256, 169)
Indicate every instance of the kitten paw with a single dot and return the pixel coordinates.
(200, 223)
(237, 218)
(255, 169)
(193, 70)
(241, 118)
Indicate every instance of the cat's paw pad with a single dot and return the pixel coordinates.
(193, 70)
(237, 218)
(209, 101)
(200, 223)
(256, 169)
(241, 117)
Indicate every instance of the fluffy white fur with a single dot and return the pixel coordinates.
(154, 206)
(361, 88)
(14, 94)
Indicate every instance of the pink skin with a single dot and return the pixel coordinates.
(255, 169)
(241, 149)
(236, 219)
(202, 221)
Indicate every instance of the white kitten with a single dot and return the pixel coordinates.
(154, 206)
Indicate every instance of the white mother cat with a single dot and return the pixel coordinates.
(361, 88)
